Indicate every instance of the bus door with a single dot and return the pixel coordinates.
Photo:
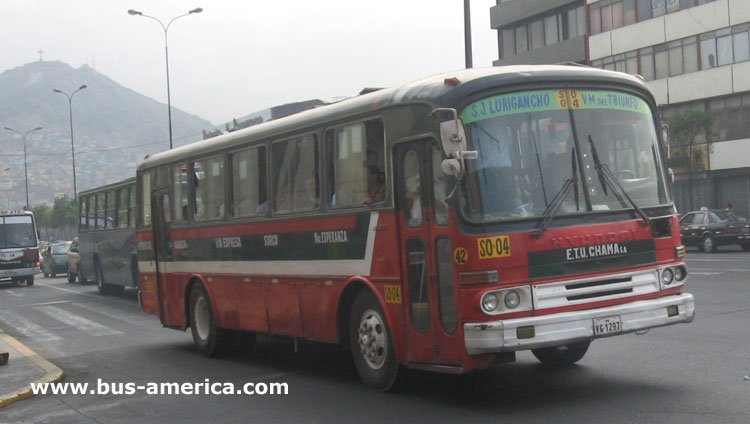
(427, 263)
(162, 217)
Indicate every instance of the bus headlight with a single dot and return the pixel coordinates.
(667, 276)
(516, 299)
(489, 302)
(512, 299)
(680, 273)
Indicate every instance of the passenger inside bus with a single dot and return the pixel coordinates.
(310, 199)
(375, 185)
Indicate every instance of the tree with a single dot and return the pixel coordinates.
(685, 128)
(42, 214)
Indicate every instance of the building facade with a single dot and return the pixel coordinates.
(694, 55)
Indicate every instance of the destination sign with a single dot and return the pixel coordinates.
(546, 100)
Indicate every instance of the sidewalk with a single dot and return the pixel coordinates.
(24, 367)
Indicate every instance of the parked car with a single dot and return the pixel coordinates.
(55, 259)
(73, 259)
(709, 229)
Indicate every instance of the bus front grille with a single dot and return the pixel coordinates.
(575, 292)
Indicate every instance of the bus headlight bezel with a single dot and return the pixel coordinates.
(513, 299)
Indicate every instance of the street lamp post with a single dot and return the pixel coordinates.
(166, 57)
(72, 145)
(25, 168)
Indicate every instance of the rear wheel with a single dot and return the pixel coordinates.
(102, 286)
(561, 356)
(209, 339)
(708, 244)
(370, 342)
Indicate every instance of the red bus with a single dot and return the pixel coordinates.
(438, 225)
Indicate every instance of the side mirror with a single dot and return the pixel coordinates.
(453, 140)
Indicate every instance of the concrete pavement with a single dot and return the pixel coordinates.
(23, 368)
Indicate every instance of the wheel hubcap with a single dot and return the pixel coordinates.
(202, 318)
(708, 243)
(373, 339)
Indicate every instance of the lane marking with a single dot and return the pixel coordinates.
(77, 321)
(27, 328)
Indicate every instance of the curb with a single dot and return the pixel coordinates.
(53, 374)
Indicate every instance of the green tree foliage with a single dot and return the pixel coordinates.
(684, 129)
(57, 222)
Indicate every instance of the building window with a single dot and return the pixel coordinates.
(537, 34)
(647, 63)
(690, 55)
(550, 30)
(508, 42)
(741, 43)
(658, 8)
(628, 11)
(522, 43)
(644, 10)
(724, 54)
(708, 50)
(661, 60)
(675, 58)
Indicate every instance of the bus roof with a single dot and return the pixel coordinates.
(117, 184)
(435, 91)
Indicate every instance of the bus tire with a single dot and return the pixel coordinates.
(100, 286)
(562, 356)
(371, 345)
(209, 339)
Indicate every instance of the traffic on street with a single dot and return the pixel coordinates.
(693, 373)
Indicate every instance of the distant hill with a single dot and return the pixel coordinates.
(114, 128)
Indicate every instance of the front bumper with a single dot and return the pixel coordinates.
(19, 272)
(569, 327)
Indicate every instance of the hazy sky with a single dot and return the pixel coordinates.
(242, 56)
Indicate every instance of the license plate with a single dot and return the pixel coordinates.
(607, 325)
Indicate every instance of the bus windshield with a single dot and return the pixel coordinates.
(530, 143)
(17, 231)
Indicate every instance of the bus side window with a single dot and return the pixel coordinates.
(356, 164)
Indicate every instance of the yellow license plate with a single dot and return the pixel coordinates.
(493, 247)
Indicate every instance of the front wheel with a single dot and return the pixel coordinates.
(30, 280)
(708, 244)
(370, 342)
(562, 356)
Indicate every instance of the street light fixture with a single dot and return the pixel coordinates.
(166, 56)
(72, 145)
(25, 169)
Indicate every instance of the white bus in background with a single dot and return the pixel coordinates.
(19, 247)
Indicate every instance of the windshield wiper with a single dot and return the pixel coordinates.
(551, 211)
(607, 178)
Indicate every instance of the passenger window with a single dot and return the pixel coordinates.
(180, 191)
(100, 211)
(146, 200)
(357, 171)
(109, 221)
(413, 189)
(295, 175)
(249, 182)
(208, 189)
